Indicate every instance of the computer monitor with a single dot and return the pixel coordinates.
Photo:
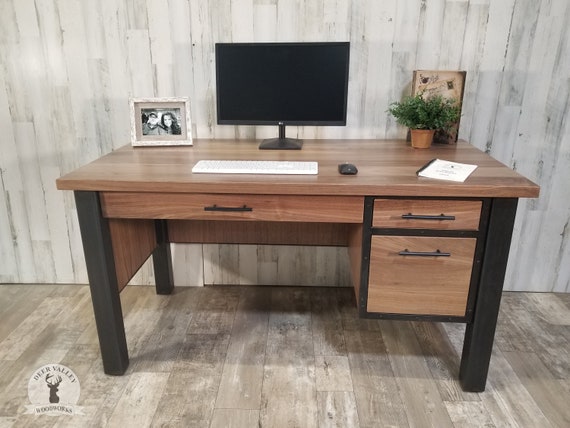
(282, 84)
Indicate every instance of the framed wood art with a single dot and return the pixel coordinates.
(160, 122)
(447, 83)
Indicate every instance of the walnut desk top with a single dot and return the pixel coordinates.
(385, 167)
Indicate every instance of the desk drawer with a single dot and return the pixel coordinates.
(406, 279)
(323, 209)
(426, 214)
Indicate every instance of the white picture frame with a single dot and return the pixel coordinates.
(160, 121)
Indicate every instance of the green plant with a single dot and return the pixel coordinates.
(422, 112)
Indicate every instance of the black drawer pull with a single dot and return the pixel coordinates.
(228, 209)
(435, 253)
(411, 216)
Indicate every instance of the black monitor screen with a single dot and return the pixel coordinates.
(288, 83)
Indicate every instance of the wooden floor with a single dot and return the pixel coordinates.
(281, 357)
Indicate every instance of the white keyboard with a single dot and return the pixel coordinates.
(256, 167)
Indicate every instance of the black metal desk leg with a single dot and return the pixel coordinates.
(162, 260)
(98, 251)
(480, 333)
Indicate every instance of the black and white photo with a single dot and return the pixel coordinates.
(160, 121)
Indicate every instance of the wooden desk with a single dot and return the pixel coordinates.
(448, 266)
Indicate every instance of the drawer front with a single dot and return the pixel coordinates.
(324, 209)
(426, 214)
(420, 275)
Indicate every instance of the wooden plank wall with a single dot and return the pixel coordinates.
(68, 68)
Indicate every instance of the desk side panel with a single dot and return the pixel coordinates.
(133, 242)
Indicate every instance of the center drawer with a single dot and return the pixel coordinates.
(302, 208)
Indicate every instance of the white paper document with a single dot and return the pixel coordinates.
(446, 170)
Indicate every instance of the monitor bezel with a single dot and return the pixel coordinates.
(280, 122)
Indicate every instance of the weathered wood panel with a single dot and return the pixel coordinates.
(68, 68)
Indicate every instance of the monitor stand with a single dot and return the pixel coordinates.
(281, 143)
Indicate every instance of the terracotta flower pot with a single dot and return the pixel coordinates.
(422, 138)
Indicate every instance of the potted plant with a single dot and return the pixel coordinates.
(424, 115)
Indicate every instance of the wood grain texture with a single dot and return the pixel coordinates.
(442, 360)
(424, 404)
(261, 354)
(129, 259)
(388, 214)
(318, 209)
(259, 233)
(420, 285)
(386, 168)
(68, 69)
(274, 265)
(242, 377)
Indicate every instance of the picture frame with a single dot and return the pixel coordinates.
(160, 121)
(450, 84)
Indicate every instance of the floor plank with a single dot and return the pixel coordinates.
(375, 389)
(424, 404)
(242, 376)
(289, 397)
(507, 400)
(235, 418)
(542, 386)
(337, 409)
(249, 356)
(139, 402)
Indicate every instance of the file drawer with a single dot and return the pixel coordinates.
(420, 275)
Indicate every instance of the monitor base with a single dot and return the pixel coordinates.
(281, 144)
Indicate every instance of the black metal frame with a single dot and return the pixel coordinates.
(486, 284)
(369, 231)
(480, 332)
(490, 261)
(162, 259)
(98, 249)
(100, 262)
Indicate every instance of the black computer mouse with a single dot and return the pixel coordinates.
(347, 169)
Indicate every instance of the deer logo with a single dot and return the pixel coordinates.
(64, 390)
(53, 384)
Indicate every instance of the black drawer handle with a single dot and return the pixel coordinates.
(435, 253)
(228, 209)
(411, 216)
